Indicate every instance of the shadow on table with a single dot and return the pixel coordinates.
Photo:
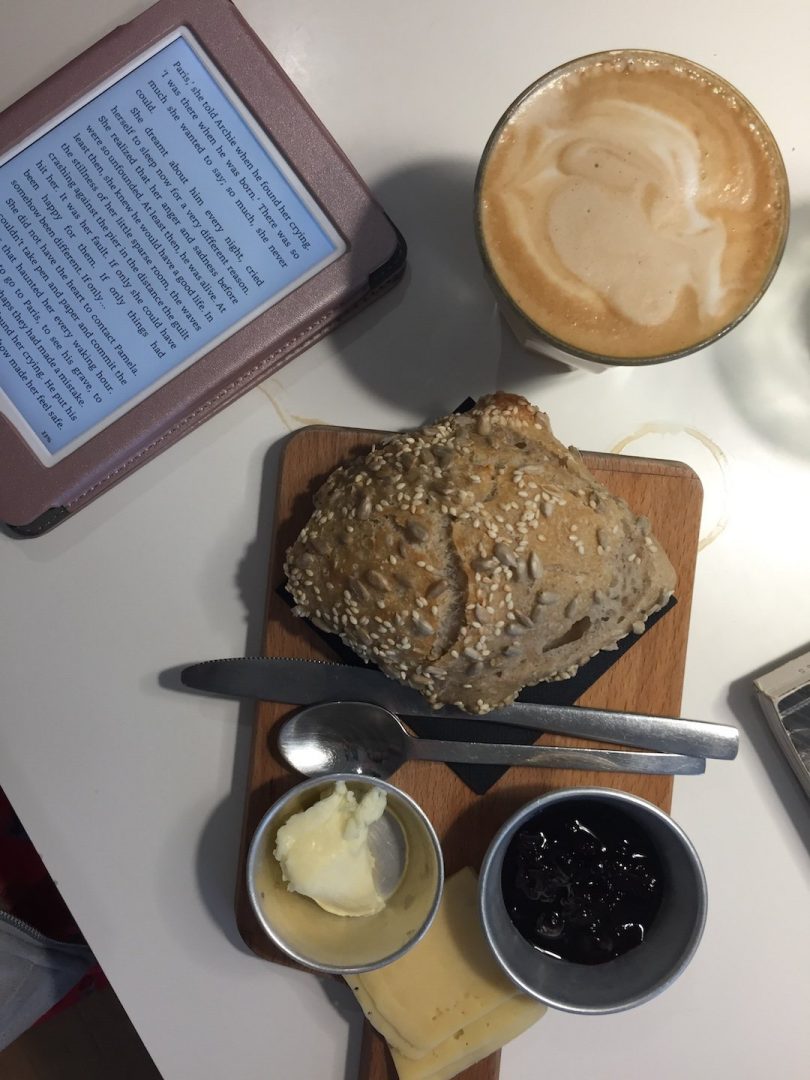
(438, 336)
(751, 719)
(218, 852)
(344, 1002)
(764, 364)
(217, 857)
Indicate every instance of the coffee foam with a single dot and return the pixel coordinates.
(633, 205)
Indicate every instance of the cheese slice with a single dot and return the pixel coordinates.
(472, 1043)
(445, 983)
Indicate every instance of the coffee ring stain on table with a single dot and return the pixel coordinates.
(717, 527)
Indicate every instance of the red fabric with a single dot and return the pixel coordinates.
(95, 979)
(28, 892)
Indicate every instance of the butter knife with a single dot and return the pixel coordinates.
(306, 682)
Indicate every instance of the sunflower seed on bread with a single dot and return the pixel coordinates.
(476, 556)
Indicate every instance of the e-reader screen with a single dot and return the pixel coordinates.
(141, 228)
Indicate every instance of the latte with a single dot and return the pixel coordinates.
(632, 205)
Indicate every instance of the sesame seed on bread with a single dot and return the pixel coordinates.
(476, 556)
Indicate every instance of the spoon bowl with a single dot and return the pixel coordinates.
(344, 737)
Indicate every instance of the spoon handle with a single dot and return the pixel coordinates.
(555, 757)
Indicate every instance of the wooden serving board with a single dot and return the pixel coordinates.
(648, 678)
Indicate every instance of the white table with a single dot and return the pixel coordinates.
(133, 792)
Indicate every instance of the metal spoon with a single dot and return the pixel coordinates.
(358, 737)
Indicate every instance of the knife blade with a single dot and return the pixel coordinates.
(306, 682)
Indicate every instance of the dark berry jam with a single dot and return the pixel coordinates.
(581, 882)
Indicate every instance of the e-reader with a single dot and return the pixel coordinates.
(175, 225)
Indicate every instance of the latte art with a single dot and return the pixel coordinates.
(636, 173)
(632, 205)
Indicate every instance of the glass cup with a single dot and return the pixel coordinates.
(551, 337)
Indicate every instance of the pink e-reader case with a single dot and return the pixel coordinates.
(175, 225)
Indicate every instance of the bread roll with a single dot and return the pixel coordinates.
(476, 556)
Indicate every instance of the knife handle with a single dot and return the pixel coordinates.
(696, 738)
(305, 682)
